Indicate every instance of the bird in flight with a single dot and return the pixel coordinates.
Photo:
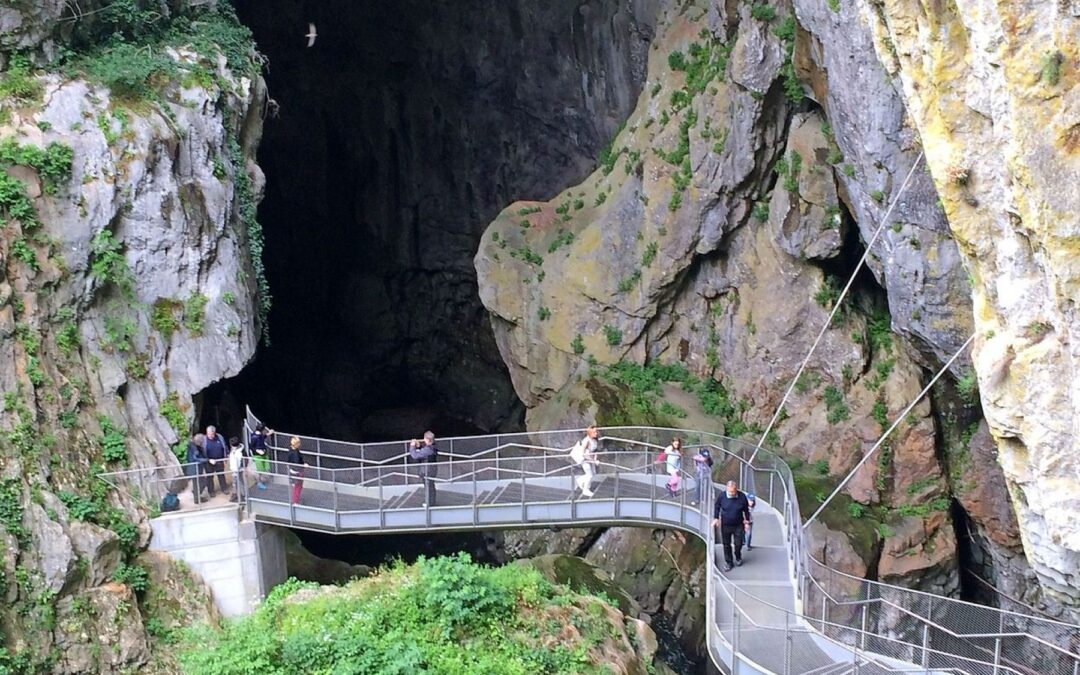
(311, 34)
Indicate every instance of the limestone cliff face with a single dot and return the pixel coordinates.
(126, 287)
(992, 90)
(716, 234)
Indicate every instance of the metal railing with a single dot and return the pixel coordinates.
(525, 479)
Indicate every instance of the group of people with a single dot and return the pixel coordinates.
(209, 458)
(732, 510)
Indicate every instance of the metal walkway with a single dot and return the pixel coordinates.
(781, 612)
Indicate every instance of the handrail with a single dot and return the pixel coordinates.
(394, 478)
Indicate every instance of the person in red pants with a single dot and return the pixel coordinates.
(296, 464)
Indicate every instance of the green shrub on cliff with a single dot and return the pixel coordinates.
(441, 615)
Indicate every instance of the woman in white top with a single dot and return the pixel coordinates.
(673, 458)
(583, 455)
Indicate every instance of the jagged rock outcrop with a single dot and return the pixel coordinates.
(679, 248)
(127, 286)
(991, 89)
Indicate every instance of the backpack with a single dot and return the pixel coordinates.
(170, 502)
(577, 452)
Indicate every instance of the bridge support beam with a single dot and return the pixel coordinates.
(239, 559)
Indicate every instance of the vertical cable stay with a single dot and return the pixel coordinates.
(896, 423)
(836, 305)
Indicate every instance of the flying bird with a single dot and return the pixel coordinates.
(311, 34)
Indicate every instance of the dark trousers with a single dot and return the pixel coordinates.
(731, 534)
(218, 470)
(429, 491)
(192, 472)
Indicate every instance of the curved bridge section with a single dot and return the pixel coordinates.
(781, 612)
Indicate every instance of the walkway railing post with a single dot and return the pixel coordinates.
(337, 513)
(862, 636)
(734, 629)
(787, 644)
(382, 505)
(997, 655)
(318, 458)
(475, 505)
(615, 506)
(925, 646)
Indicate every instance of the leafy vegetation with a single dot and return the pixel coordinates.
(835, 407)
(526, 254)
(195, 313)
(967, 386)
(612, 335)
(562, 238)
(792, 87)
(578, 344)
(112, 441)
(788, 169)
(762, 12)
(163, 316)
(108, 263)
(441, 615)
(1050, 71)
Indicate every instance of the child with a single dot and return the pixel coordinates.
(750, 528)
(673, 458)
(260, 454)
(583, 455)
(236, 467)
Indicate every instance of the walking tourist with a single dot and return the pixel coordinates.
(583, 454)
(427, 454)
(296, 464)
(673, 459)
(703, 471)
(196, 465)
(216, 452)
(752, 500)
(732, 514)
(260, 453)
(236, 468)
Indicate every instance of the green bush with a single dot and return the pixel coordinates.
(112, 441)
(836, 408)
(856, 510)
(613, 335)
(967, 386)
(441, 615)
(134, 576)
(821, 467)
(578, 345)
(762, 12)
(108, 263)
(195, 313)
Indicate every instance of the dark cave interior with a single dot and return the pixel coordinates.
(388, 148)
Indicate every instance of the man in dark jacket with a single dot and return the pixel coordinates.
(732, 514)
(427, 455)
(216, 454)
(196, 464)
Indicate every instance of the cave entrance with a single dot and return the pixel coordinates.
(390, 145)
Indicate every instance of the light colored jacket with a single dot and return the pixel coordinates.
(584, 451)
(236, 458)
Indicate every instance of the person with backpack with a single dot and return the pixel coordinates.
(216, 454)
(703, 463)
(428, 456)
(296, 463)
(673, 462)
(260, 453)
(236, 468)
(732, 514)
(583, 455)
(196, 465)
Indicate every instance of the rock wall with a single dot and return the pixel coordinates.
(126, 287)
(716, 234)
(991, 89)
